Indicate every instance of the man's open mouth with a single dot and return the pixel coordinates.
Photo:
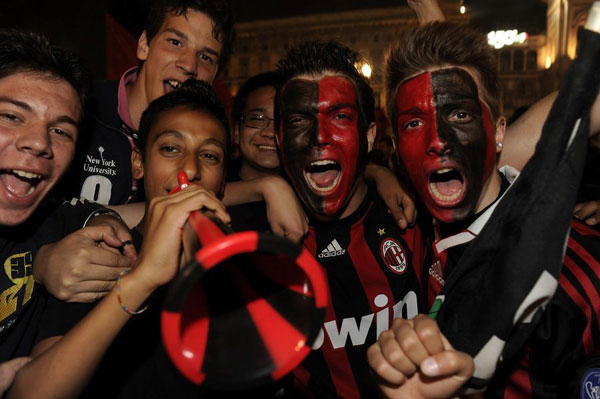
(447, 186)
(323, 175)
(171, 85)
(19, 183)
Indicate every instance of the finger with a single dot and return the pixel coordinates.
(101, 256)
(382, 368)
(410, 211)
(394, 354)
(397, 213)
(410, 343)
(129, 250)
(459, 365)
(100, 273)
(429, 334)
(585, 209)
(87, 297)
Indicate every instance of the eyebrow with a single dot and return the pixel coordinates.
(411, 111)
(185, 37)
(335, 107)
(257, 110)
(17, 103)
(179, 135)
(27, 107)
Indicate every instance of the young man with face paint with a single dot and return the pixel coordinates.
(327, 126)
(442, 96)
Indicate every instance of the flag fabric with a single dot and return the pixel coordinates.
(495, 295)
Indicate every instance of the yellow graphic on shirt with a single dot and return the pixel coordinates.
(18, 269)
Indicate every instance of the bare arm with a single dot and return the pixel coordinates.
(284, 212)
(522, 135)
(426, 10)
(63, 366)
(399, 203)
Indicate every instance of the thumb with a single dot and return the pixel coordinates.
(449, 363)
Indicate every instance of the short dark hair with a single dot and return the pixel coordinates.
(193, 94)
(217, 10)
(265, 79)
(30, 52)
(311, 58)
(437, 44)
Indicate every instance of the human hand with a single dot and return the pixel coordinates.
(426, 10)
(399, 203)
(284, 211)
(8, 370)
(414, 360)
(159, 257)
(83, 266)
(588, 212)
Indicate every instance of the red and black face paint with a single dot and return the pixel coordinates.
(446, 141)
(322, 149)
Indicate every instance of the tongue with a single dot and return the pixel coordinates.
(449, 187)
(324, 179)
(14, 185)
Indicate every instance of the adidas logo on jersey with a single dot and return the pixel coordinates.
(333, 249)
(435, 271)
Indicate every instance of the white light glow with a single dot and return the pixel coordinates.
(548, 62)
(463, 9)
(501, 38)
(366, 70)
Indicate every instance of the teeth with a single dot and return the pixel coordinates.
(323, 162)
(445, 170)
(442, 197)
(267, 147)
(174, 84)
(26, 175)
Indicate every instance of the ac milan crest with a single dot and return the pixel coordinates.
(393, 255)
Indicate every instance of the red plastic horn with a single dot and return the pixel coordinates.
(246, 310)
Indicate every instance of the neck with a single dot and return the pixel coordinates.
(249, 172)
(490, 191)
(136, 98)
(358, 196)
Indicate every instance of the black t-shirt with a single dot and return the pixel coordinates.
(21, 299)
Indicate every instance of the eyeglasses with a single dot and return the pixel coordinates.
(256, 121)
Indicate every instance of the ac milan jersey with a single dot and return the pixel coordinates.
(372, 270)
(567, 337)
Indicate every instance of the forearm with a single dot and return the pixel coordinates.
(131, 214)
(427, 10)
(241, 192)
(244, 191)
(521, 136)
(66, 367)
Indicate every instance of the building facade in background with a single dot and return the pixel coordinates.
(529, 69)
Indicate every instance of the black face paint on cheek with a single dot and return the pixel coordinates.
(460, 126)
(300, 135)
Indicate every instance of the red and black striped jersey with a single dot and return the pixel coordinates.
(566, 341)
(373, 272)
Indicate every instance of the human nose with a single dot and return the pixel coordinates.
(187, 63)
(437, 145)
(35, 139)
(269, 130)
(191, 168)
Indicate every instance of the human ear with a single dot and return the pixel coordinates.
(371, 133)
(142, 47)
(500, 129)
(137, 165)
